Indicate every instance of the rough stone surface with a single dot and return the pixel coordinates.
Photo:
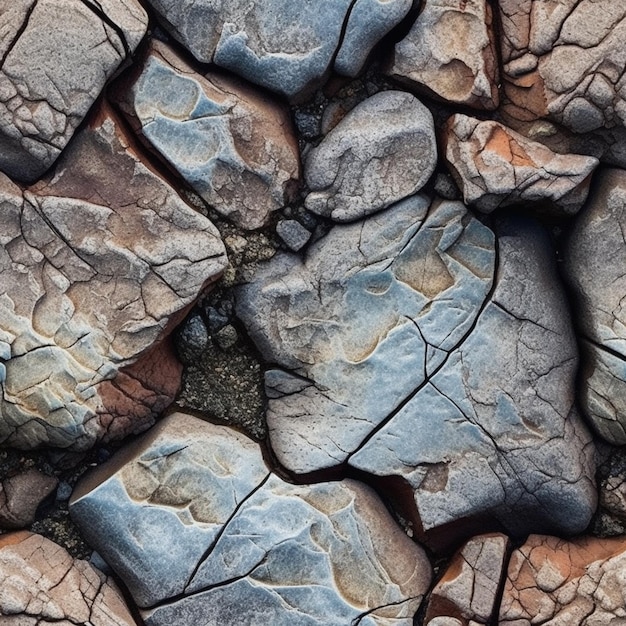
(497, 167)
(285, 46)
(202, 532)
(294, 234)
(565, 60)
(404, 347)
(578, 583)
(469, 588)
(40, 583)
(381, 152)
(97, 263)
(450, 53)
(233, 145)
(55, 58)
(594, 264)
(21, 494)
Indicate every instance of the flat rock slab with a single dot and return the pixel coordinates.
(594, 265)
(97, 264)
(382, 151)
(40, 583)
(578, 583)
(201, 531)
(496, 167)
(55, 58)
(565, 60)
(232, 144)
(416, 344)
(450, 53)
(284, 46)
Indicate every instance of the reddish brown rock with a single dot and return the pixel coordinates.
(40, 583)
(573, 583)
(21, 494)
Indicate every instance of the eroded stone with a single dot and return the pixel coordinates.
(382, 151)
(56, 56)
(21, 494)
(497, 167)
(202, 532)
(97, 264)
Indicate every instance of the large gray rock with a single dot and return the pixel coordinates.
(594, 264)
(201, 531)
(565, 60)
(404, 348)
(382, 151)
(232, 144)
(285, 46)
(97, 264)
(55, 58)
(450, 52)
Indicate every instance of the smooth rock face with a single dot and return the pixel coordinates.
(578, 583)
(55, 58)
(565, 60)
(202, 532)
(594, 266)
(497, 167)
(285, 46)
(96, 265)
(21, 494)
(382, 151)
(403, 350)
(40, 583)
(450, 53)
(469, 588)
(235, 147)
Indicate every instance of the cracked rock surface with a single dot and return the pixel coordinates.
(382, 151)
(97, 262)
(497, 167)
(284, 46)
(244, 546)
(55, 58)
(450, 53)
(418, 344)
(244, 160)
(40, 583)
(578, 583)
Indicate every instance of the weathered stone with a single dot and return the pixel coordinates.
(402, 349)
(285, 46)
(381, 152)
(55, 58)
(469, 588)
(565, 60)
(450, 53)
(294, 234)
(40, 583)
(21, 494)
(97, 264)
(578, 583)
(497, 167)
(234, 146)
(202, 532)
(594, 265)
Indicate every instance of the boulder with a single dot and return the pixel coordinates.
(20, 496)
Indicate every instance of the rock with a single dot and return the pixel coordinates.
(294, 234)
(564, 61)
(577, 583)
(382, 151)
(201, 531)
(469, 588)
(403, 348)
(497, 167)
(55, 58)
(595, 254)
(97, 264)
(450, 53)
(610, 519)
(40, 583)
(21, 494)
(288, 48)
(244, 160)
